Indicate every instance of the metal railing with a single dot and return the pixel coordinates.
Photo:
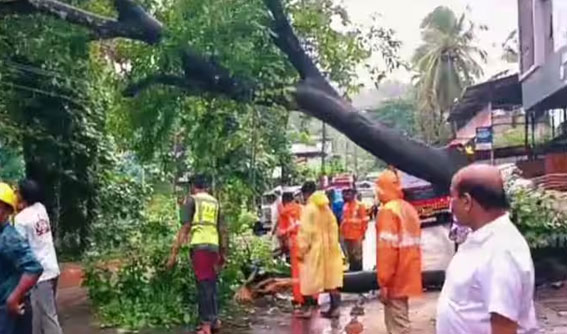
(556, 181)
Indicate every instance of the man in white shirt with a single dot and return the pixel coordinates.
(33, 224)
(489, 285)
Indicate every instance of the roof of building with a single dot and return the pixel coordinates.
(504, 93)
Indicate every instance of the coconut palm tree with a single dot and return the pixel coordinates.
(445, 63)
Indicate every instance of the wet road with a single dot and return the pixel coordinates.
(76, 317)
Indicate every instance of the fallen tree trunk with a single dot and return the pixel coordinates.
(365, 281)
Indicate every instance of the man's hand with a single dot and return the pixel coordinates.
(384, 298)
(502, 325)
(15, 306)
(221, 263)
(171, 262)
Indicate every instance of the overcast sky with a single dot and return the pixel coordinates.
(405, 16)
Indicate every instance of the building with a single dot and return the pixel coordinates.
(543, 59)
(542, 25)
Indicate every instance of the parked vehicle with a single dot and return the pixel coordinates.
(432, 204)
(265, 210)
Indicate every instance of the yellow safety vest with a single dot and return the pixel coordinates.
(204, 228)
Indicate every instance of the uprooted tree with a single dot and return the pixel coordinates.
(203, 74)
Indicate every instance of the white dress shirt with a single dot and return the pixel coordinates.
(492, 272)
(33, 224)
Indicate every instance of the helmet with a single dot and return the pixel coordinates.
(8, 195)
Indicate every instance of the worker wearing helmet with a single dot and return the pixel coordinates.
(353, 228)
(19, 270)
(398, 233)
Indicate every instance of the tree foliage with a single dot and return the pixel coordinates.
(399, 114)
(446, 63)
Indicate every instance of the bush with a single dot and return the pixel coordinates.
(537, 213)
(130, 287)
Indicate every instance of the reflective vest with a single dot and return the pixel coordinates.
(399, 249)
(204, 228)
(355, 221)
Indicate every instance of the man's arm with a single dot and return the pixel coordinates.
(504, 292)
(20, 253)
(274, 217)
(502, 325)
(187, 211)
(387, 243)
(223, 237)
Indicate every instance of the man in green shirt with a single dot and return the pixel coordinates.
(204, 228)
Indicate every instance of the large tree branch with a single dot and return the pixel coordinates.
(10, 7)
(133, 21)
(433, 164)
(214, 77)
(158, 79)
(286, 40)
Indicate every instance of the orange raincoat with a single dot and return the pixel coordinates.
(355, 221)
(289, 226)
(398, 236)
(321, 267)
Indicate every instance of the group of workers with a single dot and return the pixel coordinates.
(28, 263)
(313, 235)
(309, 232)
(489, 286)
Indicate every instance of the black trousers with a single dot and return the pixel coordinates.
(207, 295)
(16, 325)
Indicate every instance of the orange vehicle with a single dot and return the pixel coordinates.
(432, 205)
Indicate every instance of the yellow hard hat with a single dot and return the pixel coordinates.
(8, 195)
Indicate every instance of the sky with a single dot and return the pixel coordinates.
(405, 16)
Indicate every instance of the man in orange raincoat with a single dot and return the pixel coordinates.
(398, 252)
(353, 228)
(287, 230)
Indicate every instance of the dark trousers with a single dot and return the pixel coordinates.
(208, 301)
(354, 254)
(16, 325)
